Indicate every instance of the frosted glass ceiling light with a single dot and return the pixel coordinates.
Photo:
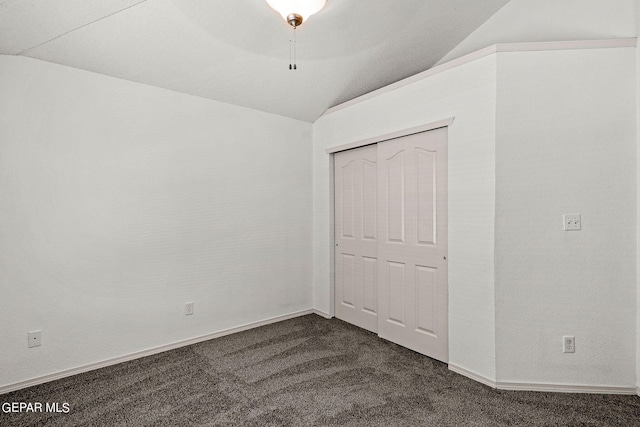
(295, 12)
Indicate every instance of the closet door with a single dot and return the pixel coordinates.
(412, 246)
(356, 237)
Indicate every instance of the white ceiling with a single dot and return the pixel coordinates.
(237, 51)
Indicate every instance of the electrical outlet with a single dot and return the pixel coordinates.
(34, 339)
(568, 344)
(188, 309)
(572, 222)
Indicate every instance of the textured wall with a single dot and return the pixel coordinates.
(550, 20)
(565, 143)
(638, 198)
(468, 93)
(120, 202)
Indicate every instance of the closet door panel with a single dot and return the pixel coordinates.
(356, 235)
(412, 244)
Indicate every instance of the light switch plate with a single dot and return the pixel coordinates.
(572, 222)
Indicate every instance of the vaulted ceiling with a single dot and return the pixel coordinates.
(237, 51)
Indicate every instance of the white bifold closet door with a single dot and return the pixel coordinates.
(402, 258)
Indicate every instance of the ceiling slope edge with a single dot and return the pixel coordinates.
(63, 32)
(28, 58)
(490, 50)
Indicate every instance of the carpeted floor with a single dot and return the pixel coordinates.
(307, 371)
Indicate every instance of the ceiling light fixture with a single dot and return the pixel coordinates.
(295, 12)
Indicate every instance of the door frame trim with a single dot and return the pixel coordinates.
(393, 135)
(369, 141)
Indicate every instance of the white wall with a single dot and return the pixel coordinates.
(120, 202)
(638, 199)
(551, 20)
(468, 93)
(565, 143)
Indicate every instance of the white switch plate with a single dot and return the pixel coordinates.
(572, 222)
(35, 339)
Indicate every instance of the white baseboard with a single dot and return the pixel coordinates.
(556, 388)
(562, 388)
(113, 361)
(474, 376)
(322, 314)
(566, 388)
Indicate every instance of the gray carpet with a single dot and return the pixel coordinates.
(307, 371)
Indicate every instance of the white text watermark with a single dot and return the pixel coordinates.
(17, 407)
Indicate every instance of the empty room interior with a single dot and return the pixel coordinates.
(390, 209)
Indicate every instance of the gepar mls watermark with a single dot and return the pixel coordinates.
(18, 407)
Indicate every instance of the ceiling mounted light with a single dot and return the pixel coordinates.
(295, 12)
